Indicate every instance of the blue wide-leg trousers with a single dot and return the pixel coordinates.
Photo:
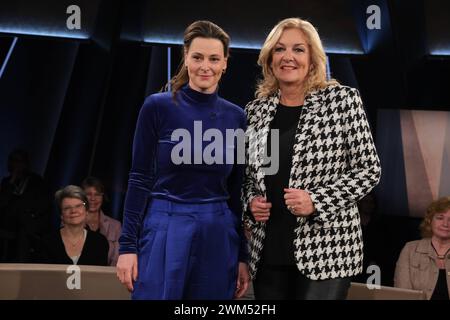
(187, 251)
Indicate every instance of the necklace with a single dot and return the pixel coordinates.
(94, 224)
(74, 244)
(440, 256)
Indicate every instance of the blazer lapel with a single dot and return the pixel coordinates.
(266, 114)
(304, 133)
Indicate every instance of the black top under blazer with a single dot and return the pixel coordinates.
(335, 161)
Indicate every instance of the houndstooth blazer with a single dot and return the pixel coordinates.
(335, 161)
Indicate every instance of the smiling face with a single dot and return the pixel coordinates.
(73, 211)
(440, 225)
(205, 62)
(291, 60)
(95, 199)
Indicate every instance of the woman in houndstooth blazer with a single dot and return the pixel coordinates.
(305, 229)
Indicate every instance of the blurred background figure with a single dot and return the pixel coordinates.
(97, 220)
(74, 243)
(367, 211)
(425, 264)
(366, 208)
(24, 209)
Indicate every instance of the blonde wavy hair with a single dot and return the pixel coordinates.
(438, 206)
(316, 79)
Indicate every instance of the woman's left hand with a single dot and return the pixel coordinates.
(298, 202)
(242, 280)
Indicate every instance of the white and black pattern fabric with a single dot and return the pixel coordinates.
(335, 161)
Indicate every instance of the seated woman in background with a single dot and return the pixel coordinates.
(73, 243)
(425, 264)
(99, 222)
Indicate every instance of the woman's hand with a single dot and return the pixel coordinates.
(260, 209)
(127, 270)
(242, 280)
(298, 202)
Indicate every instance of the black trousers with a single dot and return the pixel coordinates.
(287, 283)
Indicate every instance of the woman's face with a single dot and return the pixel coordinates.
(73, 211)
(440, 225)
(95, 199)
(291, 59)
(205, 62)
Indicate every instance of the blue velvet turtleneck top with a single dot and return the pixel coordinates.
(196, 180)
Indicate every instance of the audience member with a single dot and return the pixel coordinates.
(24, 209)
(98, 221)
(425, 264)
(74, 243)
(367, 208)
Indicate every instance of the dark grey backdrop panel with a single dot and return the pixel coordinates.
(437, 21)
(32, 93)
(249, 22)
(47, 18)
(391, 191)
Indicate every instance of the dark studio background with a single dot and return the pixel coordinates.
(71, 97)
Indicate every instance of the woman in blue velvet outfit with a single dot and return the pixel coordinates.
(182, 235)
